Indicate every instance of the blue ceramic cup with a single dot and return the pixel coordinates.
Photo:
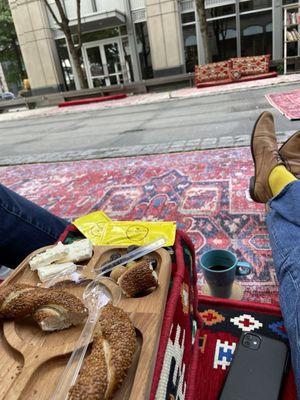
(220, 267)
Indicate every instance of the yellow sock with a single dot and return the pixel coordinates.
(279, 178)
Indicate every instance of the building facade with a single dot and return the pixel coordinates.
(133, 40)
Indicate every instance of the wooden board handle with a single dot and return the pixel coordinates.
(20, 383)
(149, 325)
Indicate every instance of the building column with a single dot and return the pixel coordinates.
(37, 46)
(238, 29)
(277, 29)
(132, 43)
(163, 22)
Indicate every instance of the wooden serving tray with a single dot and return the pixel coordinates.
(32, 361)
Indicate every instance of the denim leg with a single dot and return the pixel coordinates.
(24, 227)
(283, 221)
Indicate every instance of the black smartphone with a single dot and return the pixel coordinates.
(257, 369)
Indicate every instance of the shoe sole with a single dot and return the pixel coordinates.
(252, 179)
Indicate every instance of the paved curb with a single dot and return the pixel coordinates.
(139, 150)
(152, 98)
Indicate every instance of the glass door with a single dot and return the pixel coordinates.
(111, 54)
(103, 61)
(94, 67)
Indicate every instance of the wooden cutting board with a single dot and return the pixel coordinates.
(32, 361)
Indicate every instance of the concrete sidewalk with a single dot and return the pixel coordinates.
(237, 87)
(150, 98)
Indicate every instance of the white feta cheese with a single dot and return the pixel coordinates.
(48, 271)
(49, 256)
(79, 250)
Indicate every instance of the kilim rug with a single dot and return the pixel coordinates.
(206, 192)
(287, 103)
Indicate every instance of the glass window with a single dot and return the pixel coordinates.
(250, 5)
(222, 38)
(12, 76)
(95, 61)
(98, 82)
(98, 35)
(113, 80)
(112, 55)
(143, 48)
(65, 64)
(256, 33)
(187, 18)
(190, 47)
(215, 12)
(123, 30)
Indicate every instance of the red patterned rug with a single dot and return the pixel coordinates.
(206, 192)
(287, 103)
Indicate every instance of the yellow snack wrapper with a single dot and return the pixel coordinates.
(92, 225)
(103, 232)
(96, 216)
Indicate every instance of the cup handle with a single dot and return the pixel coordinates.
(243, 268)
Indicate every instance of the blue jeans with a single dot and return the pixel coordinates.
(283, 221)
(24, 227)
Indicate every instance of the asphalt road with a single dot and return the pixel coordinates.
(230, 114)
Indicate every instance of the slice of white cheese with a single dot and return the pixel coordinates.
(49, 256)
(79, 250)
(48, 271)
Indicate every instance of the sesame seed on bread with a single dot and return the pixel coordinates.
(112, 353)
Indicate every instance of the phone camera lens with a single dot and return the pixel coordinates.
(251, 341)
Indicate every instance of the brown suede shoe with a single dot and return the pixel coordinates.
(265, 156)
(290, 154)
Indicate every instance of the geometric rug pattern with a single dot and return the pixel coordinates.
(288, 103)
(206, 192)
